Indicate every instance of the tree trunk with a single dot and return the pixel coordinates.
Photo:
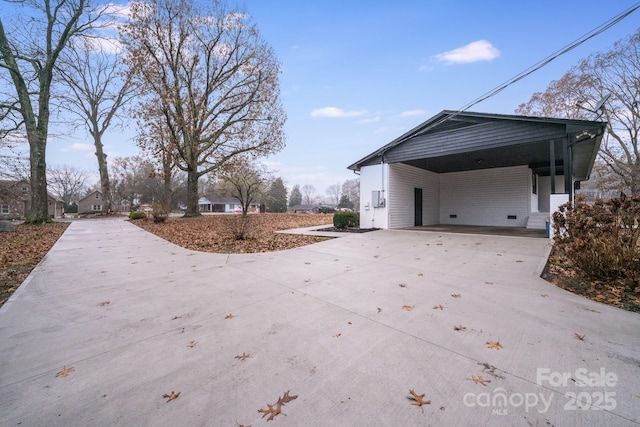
(192, 194)
(39, 200)
(105, 184)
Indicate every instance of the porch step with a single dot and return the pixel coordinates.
(537, 220)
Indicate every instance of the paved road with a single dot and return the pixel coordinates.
(128, 318)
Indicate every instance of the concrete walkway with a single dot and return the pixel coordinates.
(128, 318)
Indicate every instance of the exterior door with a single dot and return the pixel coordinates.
(417, 192)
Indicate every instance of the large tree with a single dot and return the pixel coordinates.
(351, 188)
(215, 79)
(277, 196)
(98, 87)
(29, 49)
(576, 94)
(308, 194)
(244, 181)
(333, 193)
(295, 198)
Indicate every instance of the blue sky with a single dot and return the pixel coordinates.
(357, 74)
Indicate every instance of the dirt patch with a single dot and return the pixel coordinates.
(561, 272)
(215, 233)
(21, 250)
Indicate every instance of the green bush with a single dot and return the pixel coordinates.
(346, 219)
(137, 215)
(601, 239)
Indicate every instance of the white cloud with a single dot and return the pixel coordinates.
(335, 112)
(411, 113)
(77, 147)
(369, 120)
(295, 46)
(480, 50)
(425, 68)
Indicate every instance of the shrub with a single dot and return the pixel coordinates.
(601, 239)
(137, 215)
(346, 219)
(160, 212)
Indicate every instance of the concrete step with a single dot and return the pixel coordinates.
(538, 220)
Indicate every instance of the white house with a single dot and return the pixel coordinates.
(477, 169)
(225, 205)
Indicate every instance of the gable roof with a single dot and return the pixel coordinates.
(92, 194)
(455, 141)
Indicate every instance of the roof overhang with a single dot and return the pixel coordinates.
(452, 141)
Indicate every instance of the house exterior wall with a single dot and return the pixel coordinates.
(373, 178)
(544, 191)
(15, 201)
(486, 197)
(92, 203)
(403, 179)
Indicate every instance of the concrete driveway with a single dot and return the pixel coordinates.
(114, 318)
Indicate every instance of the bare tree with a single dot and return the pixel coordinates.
(68, 182)
(29, 51)
(245, 182)
(351, 188)
(215, 79)
(98, 88)
(308, 194)
(334, 192)
(576, 94)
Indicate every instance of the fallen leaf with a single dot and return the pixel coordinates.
(494, 344)
(103, 303)
(519, 260)
(456, 295)
(177, 317)
(408, 307)
(171, 396)
(229, 316)
(192, 344)
(590, 309)
(579, 337)
(379, 309)
(242, 356)
(439, 306)
(271, 411)
(286, 398)
(544, 295)
(460, 328)
(480, 380)
(307, 263)
(338, 335)
(418, 399)
(276, 408)
(65, 372)
(420, 274)
(403, 285)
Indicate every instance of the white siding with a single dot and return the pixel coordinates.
(486, 197)
(373, 178)
(402, 181)
(544, 191)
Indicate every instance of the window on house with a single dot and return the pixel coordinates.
(5, 209)
(24, 190)
(97, 195)
(96, 208)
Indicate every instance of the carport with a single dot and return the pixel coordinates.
(466, 168)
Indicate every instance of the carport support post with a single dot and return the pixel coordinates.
(552, 165)
(568, 181)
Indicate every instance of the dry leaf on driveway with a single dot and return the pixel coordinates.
(479, 380)
(65, 372)
(171, 396)
(494, 344)
(418, 399)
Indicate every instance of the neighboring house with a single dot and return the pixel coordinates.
(15, 200)
(92, 203)
(477, 169)
(225, 205)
